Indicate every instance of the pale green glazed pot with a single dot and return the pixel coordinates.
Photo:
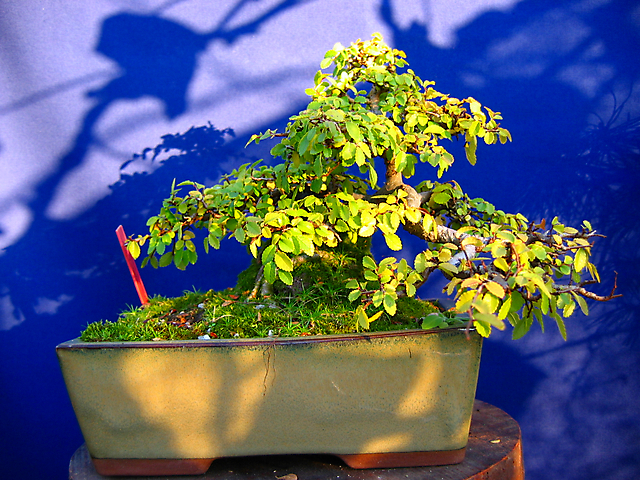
(408, 391)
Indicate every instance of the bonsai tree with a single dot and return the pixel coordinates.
(369, 111)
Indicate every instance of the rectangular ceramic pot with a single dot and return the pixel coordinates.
(374, 399)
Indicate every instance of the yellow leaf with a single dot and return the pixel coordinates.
(363, 320)
(495, 289)
(367, 230)
(134, 249)
(464, 302)
(393, 241)
(470, 283)
(581, 259)
(502, 264)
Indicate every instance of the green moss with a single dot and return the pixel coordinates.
(316, 304)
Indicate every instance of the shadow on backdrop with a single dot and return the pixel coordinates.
(59, 269)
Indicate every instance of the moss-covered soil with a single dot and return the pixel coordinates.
(316, 304)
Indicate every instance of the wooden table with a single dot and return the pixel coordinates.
(494, 452)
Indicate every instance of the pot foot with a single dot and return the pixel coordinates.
(408, 459)
(151, 467)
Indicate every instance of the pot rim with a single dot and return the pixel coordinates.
(265, 341)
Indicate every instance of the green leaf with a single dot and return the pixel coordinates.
(582, 302)
(285, 277)
(239, 234)
(303, 146)
(433, 320)
(270, 272)
(286, 244)
(538, 251)
(489, 138)
(179, 259)
(306, 227)
(508, 236)
(306, 244)
(545, 304)
(490, 319)
(521, 328)
(369, 263)
(377, 298)
(352, 283)
(384, 263)
(373, 177)
(537, 280)
(354, 295)
(317, 166)
(354, 131)
(561, 327)
(370, 275)
(316, 185)
(166, 259)
(420, 262)
(470, 147)
(214, 241)
(253, 229)
(268, 254)
(448, 268)
(335, 114)
(441, 198)
(326, 62)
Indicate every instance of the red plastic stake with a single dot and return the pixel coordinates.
(133, 268)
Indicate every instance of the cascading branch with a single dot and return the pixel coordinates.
(326, 190)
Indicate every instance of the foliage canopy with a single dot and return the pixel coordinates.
(326, 191)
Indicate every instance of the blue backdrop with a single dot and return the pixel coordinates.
(86, 87)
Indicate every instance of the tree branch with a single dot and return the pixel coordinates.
(579, 289)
